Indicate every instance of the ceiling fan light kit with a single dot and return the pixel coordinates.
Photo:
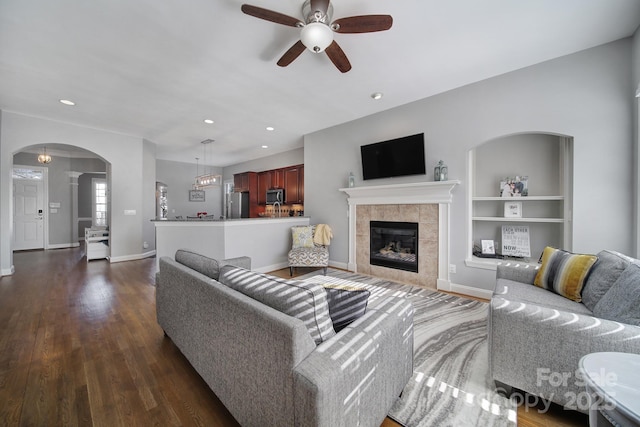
(316, 36)
(317, 30)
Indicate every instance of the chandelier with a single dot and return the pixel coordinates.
(206, 180)
(43, 157)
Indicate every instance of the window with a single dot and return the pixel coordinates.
(99, 194)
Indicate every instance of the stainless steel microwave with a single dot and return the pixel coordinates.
(275, 195)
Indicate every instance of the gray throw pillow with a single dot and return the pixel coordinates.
(346, 305)
(303, 300)
(604, 274)
(200, 263)
(622, 302)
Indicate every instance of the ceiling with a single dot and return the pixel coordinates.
(157, 69)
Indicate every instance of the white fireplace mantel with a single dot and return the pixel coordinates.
(440, 193)
(412, 193)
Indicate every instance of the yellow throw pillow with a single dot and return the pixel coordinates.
(564, 273)
(302, 236)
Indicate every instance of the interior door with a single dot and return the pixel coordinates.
(28, 214)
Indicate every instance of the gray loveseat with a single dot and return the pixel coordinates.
(265, 366)
(537, 337)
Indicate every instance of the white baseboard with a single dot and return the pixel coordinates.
(470, 291)
(63, 245)
(132, 257)
(272, 267)
(8, 271)
(340, 265)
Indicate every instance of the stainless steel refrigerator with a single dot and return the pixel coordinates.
(238, 205)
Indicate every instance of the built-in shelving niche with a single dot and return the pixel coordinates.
(547, 161)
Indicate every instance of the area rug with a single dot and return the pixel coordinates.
(450, 384)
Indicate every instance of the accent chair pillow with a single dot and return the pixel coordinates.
(563, 272)
(303, 300)
(621, 303)
(302, 236)
(346, 304)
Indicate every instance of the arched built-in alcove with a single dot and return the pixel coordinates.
(546, 160)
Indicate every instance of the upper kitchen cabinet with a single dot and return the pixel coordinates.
(242, 181)
(247, 182)
(294, 184)
(264, 183)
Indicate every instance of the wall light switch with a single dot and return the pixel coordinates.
(129, 211)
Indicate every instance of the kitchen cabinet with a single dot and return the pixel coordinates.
(264, 183)
(294, 184)
(277, 178)
(247, 182)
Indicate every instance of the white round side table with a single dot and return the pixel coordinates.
(613, 384)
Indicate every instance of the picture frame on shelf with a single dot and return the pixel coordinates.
(517, 186)
(488, 247)
(513, 209)
(196, 195)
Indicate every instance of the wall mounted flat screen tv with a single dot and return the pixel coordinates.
(395, 157)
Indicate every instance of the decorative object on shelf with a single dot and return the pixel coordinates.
(514, 187)
(515, 241)
(196, 195)
(352, 180)
(206, 180)
(43, 157)
(201, 214)
(488, 247)
(513, 209)
(441, 172)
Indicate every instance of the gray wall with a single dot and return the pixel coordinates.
(587, 95)
(280, 160)
(179, 178)
(122, 153)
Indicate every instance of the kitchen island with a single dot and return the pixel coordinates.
(266, 240)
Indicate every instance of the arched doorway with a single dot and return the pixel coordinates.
(67, 203)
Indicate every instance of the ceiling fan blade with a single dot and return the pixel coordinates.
(321, 5)
(290, 55)
(337, 56)
(270, 15)
(362, 24)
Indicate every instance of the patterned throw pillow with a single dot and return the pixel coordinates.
(303, 300)
(302, 236)
(563, 272)
(346, 304)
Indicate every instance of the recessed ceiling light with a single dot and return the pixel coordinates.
(270, 128)
(377, 95)
(265, 146)
(67, 102)
(208, 121)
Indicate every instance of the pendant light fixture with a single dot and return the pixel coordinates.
(43, 157)
(206, 180)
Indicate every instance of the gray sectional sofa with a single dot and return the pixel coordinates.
(266, 366)
(537, 337)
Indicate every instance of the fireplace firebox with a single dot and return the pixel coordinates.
(394, 245)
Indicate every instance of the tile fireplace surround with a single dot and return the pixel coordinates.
(426, 203)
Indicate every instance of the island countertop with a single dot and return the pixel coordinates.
(266, 240)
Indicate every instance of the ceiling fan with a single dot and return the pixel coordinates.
(316, 30)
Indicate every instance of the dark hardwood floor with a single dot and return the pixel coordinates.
(80, 345)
